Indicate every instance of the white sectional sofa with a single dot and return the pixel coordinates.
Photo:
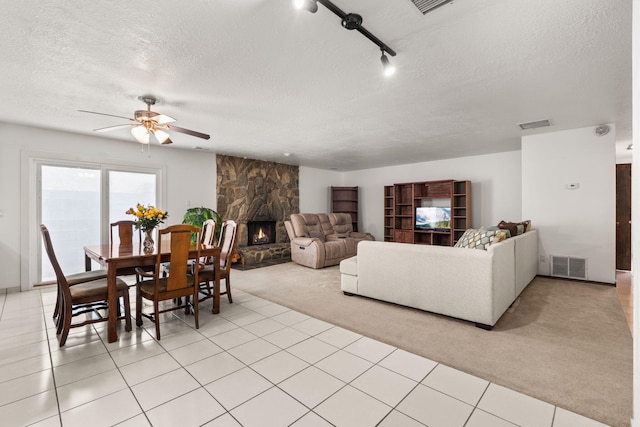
(470, 284)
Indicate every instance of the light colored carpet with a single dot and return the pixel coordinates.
(563, 342)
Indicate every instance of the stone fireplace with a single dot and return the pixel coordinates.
(258, 192)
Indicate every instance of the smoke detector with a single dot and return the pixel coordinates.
(601, 130)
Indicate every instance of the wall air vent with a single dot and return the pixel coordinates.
(426, 6)
(569, 267)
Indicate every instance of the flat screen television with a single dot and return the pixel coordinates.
(433, 218)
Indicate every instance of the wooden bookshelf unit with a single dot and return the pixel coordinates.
(345, 200)
(401, 201)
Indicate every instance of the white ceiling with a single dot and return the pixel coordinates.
(265, 79)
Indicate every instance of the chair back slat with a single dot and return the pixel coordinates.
(180, 243)
(228, 240)
(125, 232)
(208, 238)
(48, 246)
(209, 232)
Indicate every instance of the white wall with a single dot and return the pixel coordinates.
(190, 177)
(580, 222)
(315, 192)
(495, 187)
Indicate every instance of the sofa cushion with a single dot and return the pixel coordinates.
(305, 224)
(318, 235)
(341, 223)
(480, 239)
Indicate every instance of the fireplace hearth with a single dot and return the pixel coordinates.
(261, 232)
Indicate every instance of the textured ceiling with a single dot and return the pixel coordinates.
(264, 79)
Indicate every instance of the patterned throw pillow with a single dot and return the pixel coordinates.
(480, 239)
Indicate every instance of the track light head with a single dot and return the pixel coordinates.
(387, 67)
(310, 5)
(352, 21)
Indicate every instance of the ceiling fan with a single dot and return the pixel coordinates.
(146, 122)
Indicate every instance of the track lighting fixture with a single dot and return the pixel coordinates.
(387, 67)
(350, 21)
(310, 5)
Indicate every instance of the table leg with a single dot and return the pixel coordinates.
(112, 335)
(216, 288)
(87, 263)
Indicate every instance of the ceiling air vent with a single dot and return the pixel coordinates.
(534, 125)
(426, 6)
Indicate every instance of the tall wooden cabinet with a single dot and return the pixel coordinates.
(402, 200)
(345, 200)
(389, 203)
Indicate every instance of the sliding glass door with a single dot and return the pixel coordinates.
(70, 208)
(78, 204)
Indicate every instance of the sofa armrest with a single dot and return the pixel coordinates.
(308, 251)
(304, 241)
(335, 236)
(362, 236)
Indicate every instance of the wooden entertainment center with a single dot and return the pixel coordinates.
(402, 200)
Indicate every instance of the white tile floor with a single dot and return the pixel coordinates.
(256, 364)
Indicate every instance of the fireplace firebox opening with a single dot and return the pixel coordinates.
(261, 232)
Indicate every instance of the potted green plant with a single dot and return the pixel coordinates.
(198, 215)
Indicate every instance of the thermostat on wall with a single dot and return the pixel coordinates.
(573, 186)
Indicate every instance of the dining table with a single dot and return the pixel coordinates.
(123, 259)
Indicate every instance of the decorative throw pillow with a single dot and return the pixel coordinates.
(515, 228)
(506, 232)
(480, 239)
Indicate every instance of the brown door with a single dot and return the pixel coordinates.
(623, 217)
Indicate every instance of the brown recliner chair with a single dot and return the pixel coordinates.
(321, 240)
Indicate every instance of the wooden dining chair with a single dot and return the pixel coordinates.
(125, 231)
(181, 281)
(207, 272)
(207, 238)
(84, 297)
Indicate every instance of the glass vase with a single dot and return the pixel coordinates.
(148, 242)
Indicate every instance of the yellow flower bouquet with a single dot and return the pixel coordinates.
(148, 217)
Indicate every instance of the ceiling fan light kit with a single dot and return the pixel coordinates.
(141, 134)
(147, 122)
(350, 21)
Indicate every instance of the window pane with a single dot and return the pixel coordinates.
(70, 208)
(126, 190)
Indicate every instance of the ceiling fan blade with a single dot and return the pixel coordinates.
(188, 132)
(161, 119)
(105, 114)
(109, 128)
